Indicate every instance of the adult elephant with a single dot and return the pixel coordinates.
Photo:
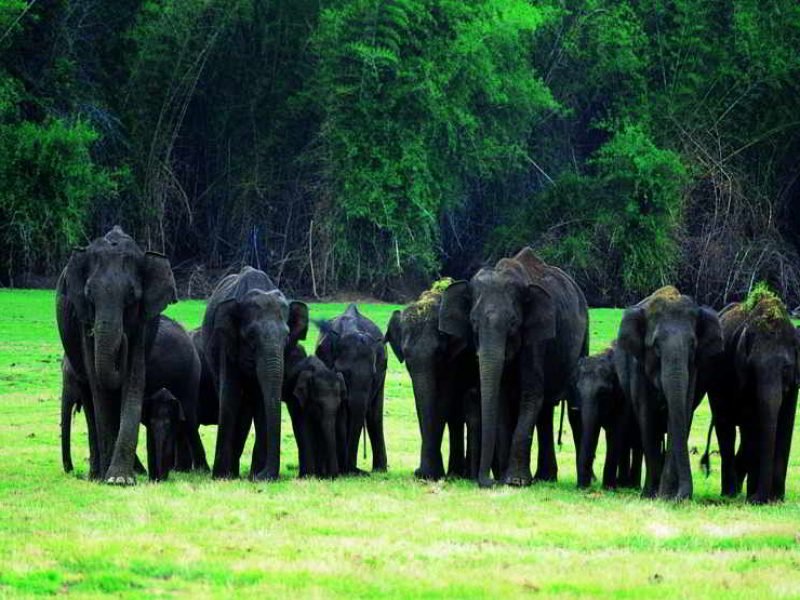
(172, 364)
(247, 326)
(664, 346)
(529, 323)
(444, 373)
(762, 349)
(108, 300)
(352, 345)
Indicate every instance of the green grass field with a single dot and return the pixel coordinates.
(387, 534)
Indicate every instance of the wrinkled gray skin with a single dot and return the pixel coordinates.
(172, 364)
(760, 400)
(528, 322)
(162, 415)
(247, 326)
(316, 397)
(444, 376)
(599, 398)
(663, 350)
(352, 345)
(108, 299)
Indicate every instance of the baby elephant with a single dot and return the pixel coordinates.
(317, 402)
(602, 403)
(161, 414)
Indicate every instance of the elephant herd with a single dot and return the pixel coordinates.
(489, 359)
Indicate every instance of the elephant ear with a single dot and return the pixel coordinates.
(540, 314)
(394, 335)
(630, 337)
(709, 334)
(297, 321)
(75, 274)
(301, 390)
(158, 285)
(225, 326)
(454, 311)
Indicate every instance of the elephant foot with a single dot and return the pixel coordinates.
(358, 473)
(486, 482)
(380, 469)
(264, 475)
(648, 493)
(545, 476)
(757, 499)
(518, 477)
(428, 475)
(120, 480)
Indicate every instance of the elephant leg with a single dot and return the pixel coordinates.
(741, 463)
(183, 452)
(121, 470)
(356, 416)
(726, 438)
(227, 454)
(91, 428)
(300, 437)
(456, 466)
(614, 444)
(244, 422)
(635, 480)
(547, 467)
(473, 419)
(341, 439)
(199, 460)
(377, 442)
(503, 439)
(786, 417)
(651, 444)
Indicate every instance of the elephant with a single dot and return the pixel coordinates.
(352, 345)
(762, 349)
(664, 347)
(162, 414)
(108, 300)
(316, 397)
(172, 364)
(444, 375)
(528, 322)
(601, 403)
(247, 328)
(207, 399)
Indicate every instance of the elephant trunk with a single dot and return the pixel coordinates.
(331, 459)
(270, 381)
(675, 385)
(590, 425)
(769, 397)
(491, 358)
(110, 350)
(431, 424)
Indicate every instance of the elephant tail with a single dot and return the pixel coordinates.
(561, 423)
(705, 460)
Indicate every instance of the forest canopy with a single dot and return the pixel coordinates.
(372, 145)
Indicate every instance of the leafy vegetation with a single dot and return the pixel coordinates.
(383, 535)
(370, 145)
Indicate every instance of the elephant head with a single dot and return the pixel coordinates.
(499, 313)
(161, 414)
(115, 288)
(321, 394)
(671, 336)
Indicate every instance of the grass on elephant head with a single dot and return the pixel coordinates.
(382, 535)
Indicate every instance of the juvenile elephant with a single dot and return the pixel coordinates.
(247, 327)
(601, 403)
(317, 401)
(664, 346)
(108, 300)
(444, 375)
(352, 345)
(528, 322)
(162, 415)
(173, 364)
(754, 387)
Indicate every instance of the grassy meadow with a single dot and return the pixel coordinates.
(387, 534)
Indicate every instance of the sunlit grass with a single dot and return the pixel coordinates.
(386, 534)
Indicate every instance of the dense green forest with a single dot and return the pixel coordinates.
(369, 145)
